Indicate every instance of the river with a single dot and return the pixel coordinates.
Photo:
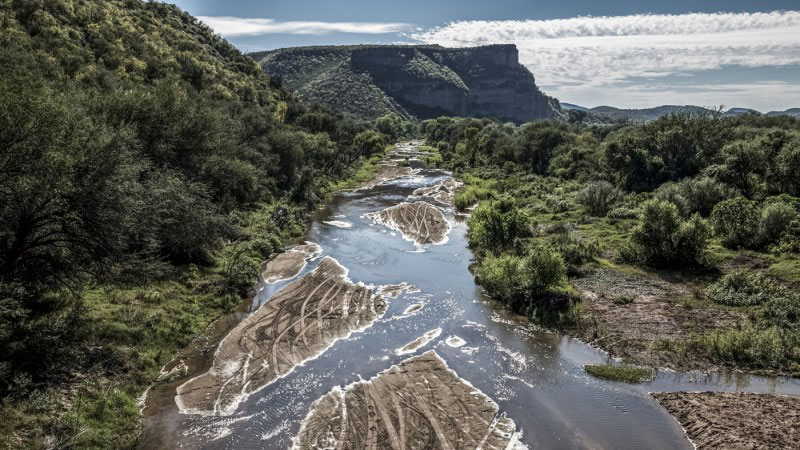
(535, 376)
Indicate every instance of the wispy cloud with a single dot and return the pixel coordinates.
(603, 51)
(241, 26)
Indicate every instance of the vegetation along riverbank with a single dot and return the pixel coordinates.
(672, 243)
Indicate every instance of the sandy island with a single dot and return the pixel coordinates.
(735, 420)
(298, 324)
(420, 222)
(289, 263)
(417, 404)
(443, 192)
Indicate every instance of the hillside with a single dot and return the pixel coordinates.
(413, 81)
(147, 167)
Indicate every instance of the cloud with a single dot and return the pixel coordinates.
(241, 26)
(605, 51)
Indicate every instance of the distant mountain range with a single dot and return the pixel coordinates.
(422, 82)
(643, 115)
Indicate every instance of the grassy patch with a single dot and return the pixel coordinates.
(622, 300)
(624, 373)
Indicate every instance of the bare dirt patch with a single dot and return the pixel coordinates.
(299, 323)
(629, 315)
(443, 192)
(420, 222)
(289, 263)
(735, 420)
(417, 404)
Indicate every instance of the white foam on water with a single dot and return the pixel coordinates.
(338, 223)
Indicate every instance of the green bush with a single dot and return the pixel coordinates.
(736, 221)
(575, 252)
(703, 193)
(671, 192)
(471, 195)
(521, 280)
(776, 219)
(781, 310)
(749, 345)
(662, 239)
(598, 197)
(743, 288)
(496, 225)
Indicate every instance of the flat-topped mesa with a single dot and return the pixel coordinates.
(296, 325)
(419, 81)
(419, 403)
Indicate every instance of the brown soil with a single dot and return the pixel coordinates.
(443, 192)
(417, 404)
(629, 316)
(736, 420)
(289, 263)
(299, 323)
(419, 221)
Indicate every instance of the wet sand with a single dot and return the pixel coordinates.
(420, 222)
(417, 404)
(289, 263)
(735, 420)
(298, 324)
(443, 192)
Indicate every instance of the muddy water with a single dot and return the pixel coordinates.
(536, 377)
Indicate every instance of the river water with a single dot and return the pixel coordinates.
(536, 377)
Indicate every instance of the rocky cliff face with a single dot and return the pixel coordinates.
(413, 81)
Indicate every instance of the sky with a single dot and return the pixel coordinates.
(623, 53)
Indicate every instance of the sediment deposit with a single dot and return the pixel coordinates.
(420, 222)
(443, 192)
(289, 263)
(298, 324)
(417, 404)
(735, 419)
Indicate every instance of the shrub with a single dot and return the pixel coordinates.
(575, 252)
(672, 193)
(736, 222)
(519, 281)
(662, 239)
(598, 197)
(743, 288)
(782, 310)
(775, 220)
(749, 345)
(471, 195)
(495, 225)
(703, 193)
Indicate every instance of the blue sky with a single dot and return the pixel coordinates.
(623, 53)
